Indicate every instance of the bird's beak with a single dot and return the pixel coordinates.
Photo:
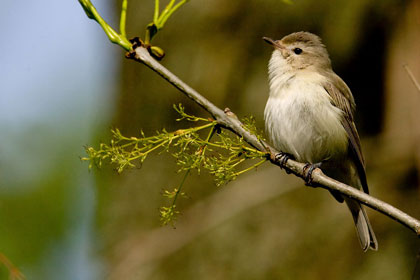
(277, 45)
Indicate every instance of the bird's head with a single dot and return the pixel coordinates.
(299, 50)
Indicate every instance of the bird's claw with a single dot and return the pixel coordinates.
(282, 158)
(307, 172)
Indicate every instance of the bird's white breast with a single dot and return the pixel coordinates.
(300, 118)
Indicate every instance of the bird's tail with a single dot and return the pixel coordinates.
(364, 229)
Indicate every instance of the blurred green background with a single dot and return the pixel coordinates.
(63, 86)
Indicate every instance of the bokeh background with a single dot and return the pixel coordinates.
(63, 86)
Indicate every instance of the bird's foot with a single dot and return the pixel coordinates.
(282, 158)
(307, 172)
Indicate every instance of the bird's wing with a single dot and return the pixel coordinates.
(343, 99)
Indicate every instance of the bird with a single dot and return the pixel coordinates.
(309, 116)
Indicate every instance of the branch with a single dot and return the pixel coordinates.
(228, 120)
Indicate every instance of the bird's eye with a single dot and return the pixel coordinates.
(297, 50)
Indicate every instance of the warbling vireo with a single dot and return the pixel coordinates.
(309, 116)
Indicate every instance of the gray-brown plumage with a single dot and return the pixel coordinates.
(309, 114)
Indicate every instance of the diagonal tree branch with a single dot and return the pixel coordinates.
(412, 78)
(228, 120)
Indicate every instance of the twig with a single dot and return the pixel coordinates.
(14, 273)
(232, 123)
(113, 36)
(123, 18)
(411, 75)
